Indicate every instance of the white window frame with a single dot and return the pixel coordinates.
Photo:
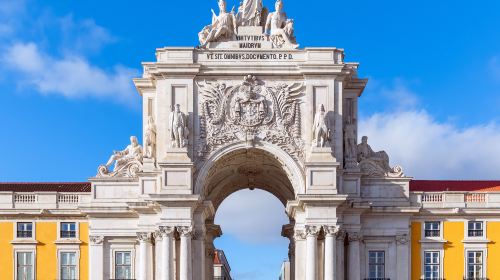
(33, 229)
(383, 245)
(122, 248)
(441, 229)
(440, 264)
(441, 260)
(33, 260)
(75, 250)
(466, 233)
(77, 229)
(484, 252)
(385, 263)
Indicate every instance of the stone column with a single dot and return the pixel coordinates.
(403, 256)
(144, 239)
(166, 252)
(96, 257)
(212, 232)
(299, 267)
(185, 254)
(199, 253)
(158, 266)
(288, 232)
(330, 252)
(311, 252)
(354, 260)
(340, 254)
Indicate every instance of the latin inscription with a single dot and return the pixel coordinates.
(249, 56)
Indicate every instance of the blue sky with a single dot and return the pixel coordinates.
(67, 99)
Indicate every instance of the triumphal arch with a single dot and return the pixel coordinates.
(249, 108)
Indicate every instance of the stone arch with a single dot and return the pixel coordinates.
(239, 166)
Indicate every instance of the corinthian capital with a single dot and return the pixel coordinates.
(144, 236)
(299, 234)
(354, 236)
(185, 231)
(402, 239)
(331, 230)
(166, 231)
(312, 230)
(341, 234)
(96, 239)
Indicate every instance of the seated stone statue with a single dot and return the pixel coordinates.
(280, 28)
(375, 163)
(249, 13)
(223, 27)
(127, 162)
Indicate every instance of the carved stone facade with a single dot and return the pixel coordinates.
(249, 110)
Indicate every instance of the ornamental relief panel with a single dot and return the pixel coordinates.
(251, 111)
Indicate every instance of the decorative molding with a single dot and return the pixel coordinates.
(96, 239)
(250, 111)
(402, 239)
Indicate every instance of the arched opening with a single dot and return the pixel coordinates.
(254, 186)
(252, 240)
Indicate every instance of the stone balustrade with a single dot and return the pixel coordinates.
(42, 200)
(455, 199)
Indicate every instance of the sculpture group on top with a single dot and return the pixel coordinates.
(249, 112)
(279, 29)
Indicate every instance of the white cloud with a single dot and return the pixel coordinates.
(70, 76)
(252, 216)
(429, 149)
(83, 36)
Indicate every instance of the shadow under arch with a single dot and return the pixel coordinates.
(238, 166)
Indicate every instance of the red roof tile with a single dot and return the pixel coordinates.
(45, 187)
(458, 186)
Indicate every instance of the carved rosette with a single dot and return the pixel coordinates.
(250, 112)
(96, 239)
(144, 237)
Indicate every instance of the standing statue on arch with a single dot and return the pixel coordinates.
(321, 128)
(179, 131)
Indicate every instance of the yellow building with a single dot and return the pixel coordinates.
(44, 234)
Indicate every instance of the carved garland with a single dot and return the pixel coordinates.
(250, 112)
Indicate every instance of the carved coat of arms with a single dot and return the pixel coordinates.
(250, 111)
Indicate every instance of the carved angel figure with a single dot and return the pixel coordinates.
(127, 162)
(150, 141)
(249, 13)
(223, 27)
(321, 128)
(376, 163)
(178, 128)
(280, 28)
